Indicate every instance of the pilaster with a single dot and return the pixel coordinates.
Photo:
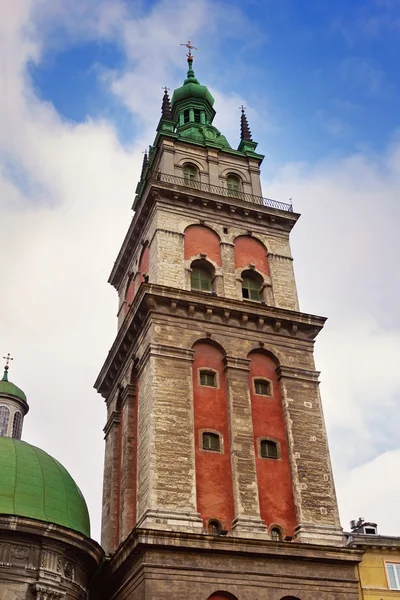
(128, 443)
(313, 487)
(109, 529)
(247, 522)
(166, 463)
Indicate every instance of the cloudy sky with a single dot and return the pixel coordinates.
(80, 100)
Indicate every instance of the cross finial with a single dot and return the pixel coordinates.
(190, 47)
(165, 88)
(7, 359)
(242, 108)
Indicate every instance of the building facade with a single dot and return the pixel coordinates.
(217, 477)
(379, 570)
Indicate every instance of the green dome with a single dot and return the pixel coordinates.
(192, 89)
(6, 387)
(35, 485)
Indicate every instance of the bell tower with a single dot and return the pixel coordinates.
(215, 424)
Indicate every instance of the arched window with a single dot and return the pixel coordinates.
(190, 174)
(4, 418)
(268, 449)
(211, 442)
(251, 286)
(201, 276)
(213, 527)
(234, 184)
(17, 426)
(276, 534)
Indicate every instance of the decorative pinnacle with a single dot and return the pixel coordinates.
(7, 366)
(166, 106)
(190, 74)
(245, 133)
(145, 163)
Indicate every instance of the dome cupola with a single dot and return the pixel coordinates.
(13, 405)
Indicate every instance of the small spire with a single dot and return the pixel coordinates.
(245, 133)
(7, 366)
(145, 163)
(166, 106)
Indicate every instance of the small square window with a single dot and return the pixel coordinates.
(262, 387)
(269, 449)
(208, 378)
(211, 442)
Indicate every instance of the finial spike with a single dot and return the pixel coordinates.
(145, 162)
(245, 133)
(166, 106)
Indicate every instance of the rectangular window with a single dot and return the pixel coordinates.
(269, 449)
(393, 571)
(196, 115)
(262, 387)
(211, 442)
(208, 378)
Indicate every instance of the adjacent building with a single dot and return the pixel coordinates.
(379, 570)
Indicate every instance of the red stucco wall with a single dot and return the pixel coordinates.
(202, 240)
(248, 250)
(213, 469)
(274, 476)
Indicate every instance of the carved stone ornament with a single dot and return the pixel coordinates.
(46, 592)
(69, 570)
(19, 552)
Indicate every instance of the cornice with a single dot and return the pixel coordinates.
(152, 298)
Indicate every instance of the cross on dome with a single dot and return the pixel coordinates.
(190, 48)
(7, 359)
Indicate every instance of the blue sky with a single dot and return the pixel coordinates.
(81, 99)
(324, 75)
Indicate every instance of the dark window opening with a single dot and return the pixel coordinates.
(276, 534)
(200, 279)
(262, 387)
(269, 449)
(211, 442)
(225, 230)
(17, 426)
(208, 378)
(197, 116)
(214, 527)
(186, 116)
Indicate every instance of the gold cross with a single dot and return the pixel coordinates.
(190, 48)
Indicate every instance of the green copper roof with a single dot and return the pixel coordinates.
(6, 387)
(35, 485)
(192, 89)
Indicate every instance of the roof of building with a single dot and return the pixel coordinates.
(192, 88)
(10, 389)
(35, 485)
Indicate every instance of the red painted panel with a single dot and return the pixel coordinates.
(213, 469)
(132, 287)
(274, 476)
(202, 240)
(248, 250)
(144, 262)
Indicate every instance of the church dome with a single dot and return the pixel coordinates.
(192, 89)
(7, 388)
(36, 486)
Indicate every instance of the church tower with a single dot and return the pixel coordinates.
(215, 437)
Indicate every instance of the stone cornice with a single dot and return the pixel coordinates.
(114, 419)
(87, 548)
(296, 373)
(165, 300)
(140, 539)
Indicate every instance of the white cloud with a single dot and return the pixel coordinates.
(66, 191)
